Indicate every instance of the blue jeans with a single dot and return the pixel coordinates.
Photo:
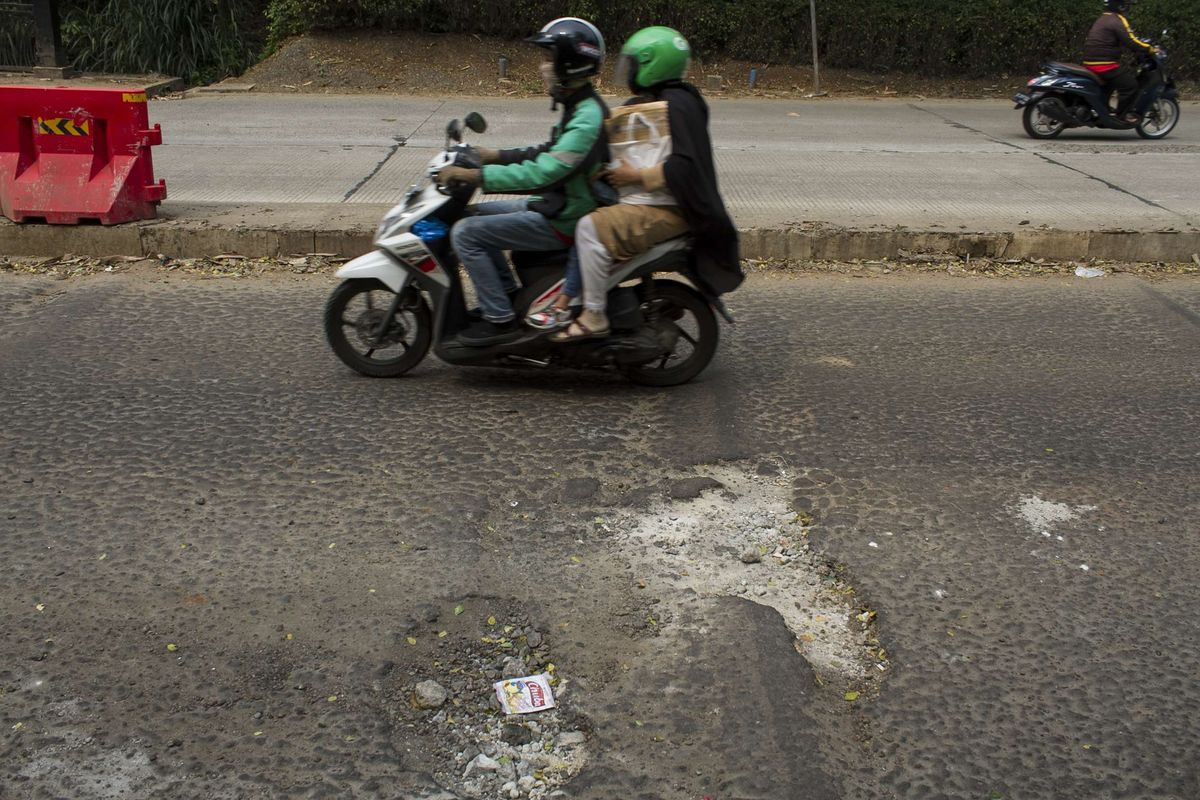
(481, 239)
(573, 279)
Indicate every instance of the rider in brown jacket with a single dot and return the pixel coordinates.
(1109, 37)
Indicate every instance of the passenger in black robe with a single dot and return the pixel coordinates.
(692, 179)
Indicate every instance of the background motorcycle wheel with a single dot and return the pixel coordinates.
(1039, 125)
(353, 315)
(684, 308)
(1160, 119)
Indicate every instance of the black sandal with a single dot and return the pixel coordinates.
(578, 332)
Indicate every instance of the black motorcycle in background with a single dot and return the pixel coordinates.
(1072, 96)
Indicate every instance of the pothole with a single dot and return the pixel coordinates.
(477, 750)
(740, 537)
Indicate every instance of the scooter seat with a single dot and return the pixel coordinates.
(1072, 69)
(660, 250)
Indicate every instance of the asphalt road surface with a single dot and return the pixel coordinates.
(925, 164)
(227, 560)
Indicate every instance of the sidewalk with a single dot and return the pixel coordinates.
(269, 174)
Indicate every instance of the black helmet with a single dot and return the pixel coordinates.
(1117, 6)
(577, 48)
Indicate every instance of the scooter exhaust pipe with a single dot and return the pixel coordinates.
(1056, 110)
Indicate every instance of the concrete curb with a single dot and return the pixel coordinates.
(181, 239)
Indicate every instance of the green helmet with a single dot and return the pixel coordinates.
(651, 56)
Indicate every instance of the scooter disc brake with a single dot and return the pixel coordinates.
(368, 323)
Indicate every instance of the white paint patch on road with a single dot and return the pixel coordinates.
(1043, 515)
(745, 541)
(835, 361)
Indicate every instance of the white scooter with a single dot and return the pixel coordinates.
(407, 295)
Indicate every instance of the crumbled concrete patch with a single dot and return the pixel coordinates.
(739, 537)
(1044, 515)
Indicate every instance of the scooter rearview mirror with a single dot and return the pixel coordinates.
(476, 122)
(454, 131)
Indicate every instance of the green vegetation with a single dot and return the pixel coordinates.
(198, 40)
(930, 37)
(207, 39)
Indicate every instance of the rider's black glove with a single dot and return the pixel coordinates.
(451, 175)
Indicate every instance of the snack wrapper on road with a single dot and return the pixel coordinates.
(524, 695)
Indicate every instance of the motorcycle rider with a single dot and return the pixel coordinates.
(558, 174)
(660, 200)
(1108, 37)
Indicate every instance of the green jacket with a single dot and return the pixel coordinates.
(558, 173)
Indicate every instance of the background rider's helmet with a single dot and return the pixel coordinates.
(652, 56)
(576, 47)
(1117, 6)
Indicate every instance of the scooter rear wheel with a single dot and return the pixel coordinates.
(1040, 125)
(353, 315)
(683, 308)
(1159, 120)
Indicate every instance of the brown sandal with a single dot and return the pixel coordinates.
(577, 332)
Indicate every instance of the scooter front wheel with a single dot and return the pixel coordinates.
(1159, 120)
(1040, 125)
(354, 315)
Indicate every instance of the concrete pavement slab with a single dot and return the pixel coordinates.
(854, 163)
(949, 167)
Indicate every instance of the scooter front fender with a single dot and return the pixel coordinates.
(377, 265)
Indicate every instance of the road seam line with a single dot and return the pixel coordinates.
(1049, 160)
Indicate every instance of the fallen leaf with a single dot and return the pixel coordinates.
(637, 722)
(807, 637)
(171, 648)
(18, 726)
(577, 559)
(850, 697)
(40, 606)
(332, 698)
(371, 591)
(332, 545)
(458, 610)
(442, 634)
(289, 637)
(491, 620)
(258, 733)
(102, 556)
(411, 640)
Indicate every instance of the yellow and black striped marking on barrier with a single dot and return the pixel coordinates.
(64, 126)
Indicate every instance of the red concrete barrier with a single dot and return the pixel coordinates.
(71, 155)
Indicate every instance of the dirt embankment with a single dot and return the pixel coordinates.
(410, 63)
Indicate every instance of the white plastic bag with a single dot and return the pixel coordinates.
(640, 136)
